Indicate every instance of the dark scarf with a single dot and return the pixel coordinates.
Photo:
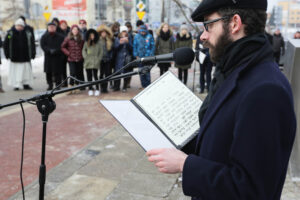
(184, 37)
(252, 49)
(165, 36)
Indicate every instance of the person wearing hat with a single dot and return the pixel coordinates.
(19, 48)
(56, 21)
(27, 26)
(131, 35)
(247, 121)
(115, 29)
(143, 46)
(123, 49)
(51, 44)
(83, 28)
(72, 47)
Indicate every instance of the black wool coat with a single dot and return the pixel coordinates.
(19, 46)
(245, 140)
(51, 45)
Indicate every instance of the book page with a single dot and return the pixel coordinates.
(172, 106)
(138, 126)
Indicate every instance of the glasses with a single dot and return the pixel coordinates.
(206, 23)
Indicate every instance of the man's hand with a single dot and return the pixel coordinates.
(168, 161)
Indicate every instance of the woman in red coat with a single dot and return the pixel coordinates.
(72, 47)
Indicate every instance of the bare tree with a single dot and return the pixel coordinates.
(13, 11)
(182, 7)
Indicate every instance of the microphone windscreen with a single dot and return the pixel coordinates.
(183, 56)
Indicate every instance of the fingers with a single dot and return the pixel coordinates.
(155, 158)
(154, 152)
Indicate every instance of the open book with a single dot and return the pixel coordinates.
(163, 115)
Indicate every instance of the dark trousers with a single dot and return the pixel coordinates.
(76, 70)
(64, 70)
(90, 73)
(126, 81)
(205, 73)
(185, 75)
(164, 67)
(105, 71)
(277, 57)
(145, 78)
(50, 76)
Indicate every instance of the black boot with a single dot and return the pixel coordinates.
(27, 87)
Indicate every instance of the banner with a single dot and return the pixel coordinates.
(69, 9)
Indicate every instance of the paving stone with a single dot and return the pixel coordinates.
(79, 187)
(147, 184)
(146, 167)
(110, 165)
(177, 194)
(119, 195)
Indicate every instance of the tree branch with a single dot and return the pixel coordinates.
(181, 5)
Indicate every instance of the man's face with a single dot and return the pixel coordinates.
(143, 33)
(129, 28)
(19, 27)
(64, 26)
(51, 29)
(216, 38)
(82, 25)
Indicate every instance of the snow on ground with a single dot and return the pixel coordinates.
(37, 66)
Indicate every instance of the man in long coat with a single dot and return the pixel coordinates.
(247, 121)
(51, 44)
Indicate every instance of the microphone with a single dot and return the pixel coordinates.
(181, 56)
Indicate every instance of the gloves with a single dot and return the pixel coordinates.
(52, 51)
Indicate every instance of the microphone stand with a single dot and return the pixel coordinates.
(46, 106)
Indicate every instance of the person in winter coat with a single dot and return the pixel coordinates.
(51, 44)
(65, 30)
(115, 29)
(183, 39)
(1, 88)
(82, 26)
(123, 49)
(72, 47)
(55, 20)
(19, 48)
(143, 46)
(106, 42)
(247, 121)
(278, 45)
(205, 66)
(131, 35)
(92, 53)
(164, 44)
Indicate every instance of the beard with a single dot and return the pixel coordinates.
(217, 51)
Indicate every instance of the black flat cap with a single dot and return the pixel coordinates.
(209, 6)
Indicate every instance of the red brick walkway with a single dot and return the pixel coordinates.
(77, 121)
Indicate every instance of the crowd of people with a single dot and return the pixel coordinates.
(99, 52)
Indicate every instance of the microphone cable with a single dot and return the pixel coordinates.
(32, 103)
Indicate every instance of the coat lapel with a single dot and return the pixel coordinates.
(221, 95)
